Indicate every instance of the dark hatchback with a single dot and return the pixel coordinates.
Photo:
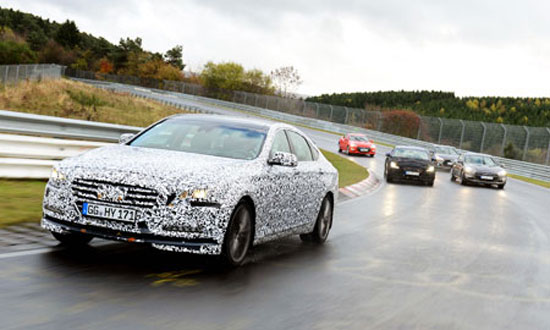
(409, 164)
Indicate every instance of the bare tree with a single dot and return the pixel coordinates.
(286, 80)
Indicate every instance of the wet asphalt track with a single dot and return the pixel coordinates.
(405, 257)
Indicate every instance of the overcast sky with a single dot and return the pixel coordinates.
(499, 47)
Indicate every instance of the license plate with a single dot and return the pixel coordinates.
(484, 177)
(412, 173)
(364, 149)
(109, 212)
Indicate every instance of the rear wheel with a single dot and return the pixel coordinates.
(322, 225)
(238, 236)
(72, 239)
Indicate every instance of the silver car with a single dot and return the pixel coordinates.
(198, 184)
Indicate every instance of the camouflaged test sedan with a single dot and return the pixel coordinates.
(195, 183)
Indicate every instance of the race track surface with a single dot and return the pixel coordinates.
(406, 256)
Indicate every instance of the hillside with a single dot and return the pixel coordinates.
(507, 110)
(71, 99)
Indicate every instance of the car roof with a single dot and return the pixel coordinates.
(411, 148)
(231, 120)
(357, 134)
(475, 154)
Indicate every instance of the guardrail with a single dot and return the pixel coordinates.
(32, 157)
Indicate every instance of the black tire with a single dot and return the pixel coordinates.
(238, 237)
(453, 177)
(430, 183)
(387, 175)
(72, 239)
(501, 186)
(463, 180)
(322, 225)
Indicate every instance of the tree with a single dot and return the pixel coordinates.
(174, 57)
(12, 52)
(233, 76)
(68, 35)
(286, 80)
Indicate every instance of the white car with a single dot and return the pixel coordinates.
(195, 183)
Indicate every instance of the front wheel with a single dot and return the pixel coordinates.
(322, 225)
(501, 186)
(463, 180)
(72, 239)
(238, 236)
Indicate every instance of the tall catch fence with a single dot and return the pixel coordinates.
(12, 74)
(526, 143)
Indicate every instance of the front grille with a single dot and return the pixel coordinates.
(122, 194)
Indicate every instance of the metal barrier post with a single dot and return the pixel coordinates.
(331, 112)
(347, 113)
(304, 106)
(317, 110)
(503, 139)
(440, 130)
(461, 133)
(5, 74)
(527, 134)
(256, 101)
(380, 121)
(548, 151)
(483, 136)
(16, 73)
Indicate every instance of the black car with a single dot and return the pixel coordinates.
(479, 169)
(411, 164)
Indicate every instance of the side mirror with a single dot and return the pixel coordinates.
(388, 154)
(283, 159)
(125, 137)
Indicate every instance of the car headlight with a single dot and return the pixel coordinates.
(439, 159)
(394, 165)
(430, 169)
(56, 175)
(194, 194)
(352, 144)
(469, 170)
(502, 173)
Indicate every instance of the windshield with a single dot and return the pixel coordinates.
(479, 160)
(445, 151)
(359, 138)
(411, 153)
(204, 137)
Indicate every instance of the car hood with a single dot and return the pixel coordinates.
(362, 144)
(485, 168)
(154, 168)
(412, 162)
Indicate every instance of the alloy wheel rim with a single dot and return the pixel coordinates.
(324, 223)
(240, 238)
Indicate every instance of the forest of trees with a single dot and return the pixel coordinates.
(26, 38)
(507, 110)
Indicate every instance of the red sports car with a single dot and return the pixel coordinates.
(354, 143)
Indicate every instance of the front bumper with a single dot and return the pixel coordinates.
(475, 178)
(362, 151)
(400, 174)
(179, 228)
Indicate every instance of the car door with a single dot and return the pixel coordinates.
(277, 191)
(308, 183)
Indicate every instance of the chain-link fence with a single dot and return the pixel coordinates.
(12, 74)
(531, 144)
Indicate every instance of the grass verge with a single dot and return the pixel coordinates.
(20, 201)
(349, 172)
(76, 100)
(529, 180)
